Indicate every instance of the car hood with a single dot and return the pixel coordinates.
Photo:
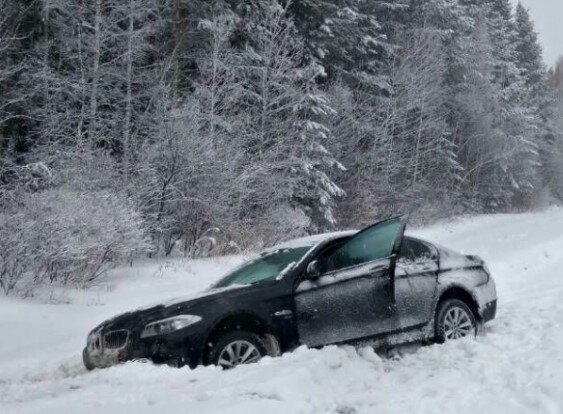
(172, 307)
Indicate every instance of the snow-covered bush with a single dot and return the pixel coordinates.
(15, 252)
(84, 234)
(67, 237)
(277, 224)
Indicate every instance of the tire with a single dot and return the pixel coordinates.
(454, 320)
(237, 348)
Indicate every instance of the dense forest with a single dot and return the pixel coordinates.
(196, 127)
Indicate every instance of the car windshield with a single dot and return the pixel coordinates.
(266, 267)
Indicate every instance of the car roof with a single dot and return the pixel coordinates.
(310, 241)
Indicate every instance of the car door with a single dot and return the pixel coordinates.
(353, 297)
(416, 278)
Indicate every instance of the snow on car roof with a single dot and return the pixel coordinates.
(310, 241)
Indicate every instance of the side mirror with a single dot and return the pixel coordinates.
(314, 270)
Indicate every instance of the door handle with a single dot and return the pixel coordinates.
(308, 315)
(284, 312)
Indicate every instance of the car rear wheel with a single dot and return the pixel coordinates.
(237, 348)
(454, 320)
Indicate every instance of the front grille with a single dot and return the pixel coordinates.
(116, 339)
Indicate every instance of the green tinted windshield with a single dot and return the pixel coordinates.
(266, 267)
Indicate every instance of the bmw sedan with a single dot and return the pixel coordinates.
(374, 286)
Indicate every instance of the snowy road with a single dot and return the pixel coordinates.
(516, 366)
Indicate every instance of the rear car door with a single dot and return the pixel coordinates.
(416, 278)
(353, 297)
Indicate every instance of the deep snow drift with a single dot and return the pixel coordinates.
(515, 366)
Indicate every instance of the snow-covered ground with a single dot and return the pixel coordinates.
(516, 366)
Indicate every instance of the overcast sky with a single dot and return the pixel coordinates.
(548, 16)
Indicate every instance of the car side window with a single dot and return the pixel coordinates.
(413, 250)
(371, 244)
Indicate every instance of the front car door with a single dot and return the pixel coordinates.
(353, 297)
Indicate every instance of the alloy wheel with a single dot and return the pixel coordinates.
(237, 353)
(457, 324)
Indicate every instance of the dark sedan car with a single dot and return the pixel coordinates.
(373, 286)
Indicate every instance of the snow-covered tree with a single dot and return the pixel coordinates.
(226, 121)
(348, 38)
(529, 53)
(475, 109)
(553, 168)
(217, 88)
(537, 96)
(518, 119)
(15, 20)
(282, 157)
(314, 188)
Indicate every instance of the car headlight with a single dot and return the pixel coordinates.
(168, 325)
(94, 340)
(486, 269)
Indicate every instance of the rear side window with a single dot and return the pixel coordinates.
(370, 244)
(413, 250)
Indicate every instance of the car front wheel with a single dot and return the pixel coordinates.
(237, 348)
(454, 320)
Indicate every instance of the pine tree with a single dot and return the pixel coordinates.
(283, 162)
(216, 86)
(553, 171)
(315, 188)
(428, 53)
(529, 53)
(536, 93)
(348, 38)
(514, 123)
(18, 22)
(475, 107)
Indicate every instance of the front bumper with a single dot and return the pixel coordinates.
(178, 349)
(489, 311)
(106, 359)
(103, 350)
(486, 297)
